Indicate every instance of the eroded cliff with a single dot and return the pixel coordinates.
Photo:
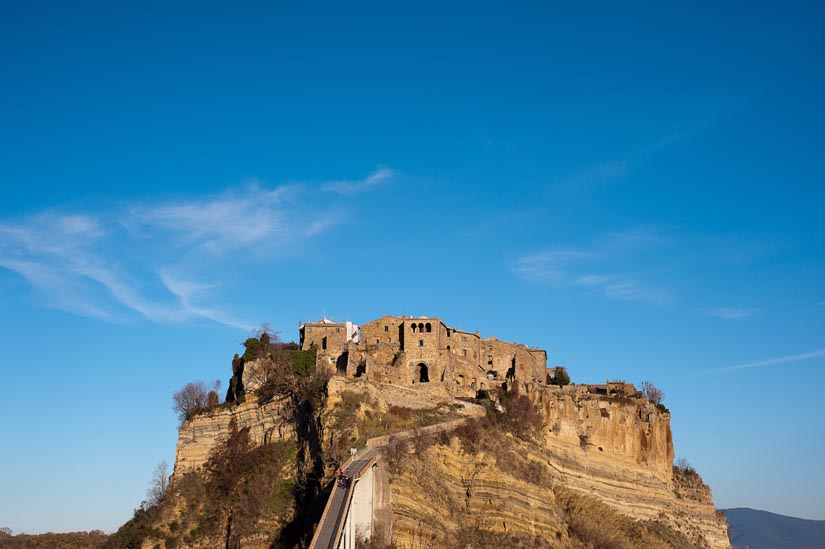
(596, 469)
(550, 467)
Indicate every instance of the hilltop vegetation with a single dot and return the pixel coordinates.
(67, 540)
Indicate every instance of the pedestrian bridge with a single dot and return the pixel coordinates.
(358, 509)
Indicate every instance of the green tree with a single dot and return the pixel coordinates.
(560, 376)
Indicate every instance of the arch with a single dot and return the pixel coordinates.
(448, 348)
(414, 326)
(422, 373)
(420, 326)
(492, 375)
(341, 363)
(361, 369)
(428, 327)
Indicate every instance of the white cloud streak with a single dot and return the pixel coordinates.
(58, 255)
(732, 313)
(578, 267)
(775, 361)
(597, 174)
(143, 259)
(186, 292)
(346, 188)
(229, 221)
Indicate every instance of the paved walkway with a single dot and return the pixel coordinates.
(333, 519)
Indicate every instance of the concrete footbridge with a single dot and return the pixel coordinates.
(352, 509)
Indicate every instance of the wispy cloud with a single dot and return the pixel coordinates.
(230, 221)
(597, 174)
(187, 292)
(63, 257)
(160, 260)
(594, 267)
(346, 188)
(775, 361)
(549, 266)
(732, 313)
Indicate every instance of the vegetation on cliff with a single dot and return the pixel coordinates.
(268, 492)
(66, 540)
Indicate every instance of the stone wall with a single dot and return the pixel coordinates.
(330, 338)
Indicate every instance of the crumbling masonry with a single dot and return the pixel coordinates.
(406, 350)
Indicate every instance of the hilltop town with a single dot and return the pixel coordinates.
(407, 432)
(408, 350)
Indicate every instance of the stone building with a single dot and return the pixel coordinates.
(408, 350)
(330, 340)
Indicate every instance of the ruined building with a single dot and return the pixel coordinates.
(410, 350)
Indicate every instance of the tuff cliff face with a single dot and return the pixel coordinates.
(621, 450)
(598, 468)
(594, 469)
(200, 435)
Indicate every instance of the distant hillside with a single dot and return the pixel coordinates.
(764, 530)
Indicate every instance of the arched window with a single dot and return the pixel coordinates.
(420, 326)
(414, 328)
(429, 327)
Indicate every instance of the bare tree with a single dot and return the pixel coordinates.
(190, 399)
(195, 397)
(652, 393)
(160, 484)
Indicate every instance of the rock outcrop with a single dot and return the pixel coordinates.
(199, 435)
(609, 453)
(593, 450)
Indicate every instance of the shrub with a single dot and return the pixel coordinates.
(303, 362)
(685, 467)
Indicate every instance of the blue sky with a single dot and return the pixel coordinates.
(638, 189)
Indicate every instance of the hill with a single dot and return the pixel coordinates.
(763, 530)
(531, 464)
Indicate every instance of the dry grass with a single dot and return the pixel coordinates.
(598, 526)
